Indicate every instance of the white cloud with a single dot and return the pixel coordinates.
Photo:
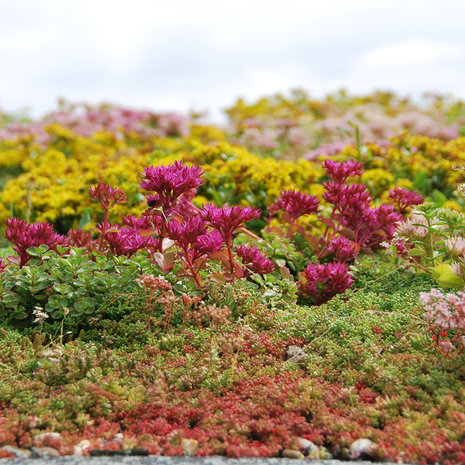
(205, 53)
(411, 53)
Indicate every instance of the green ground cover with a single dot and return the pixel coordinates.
(211, 313)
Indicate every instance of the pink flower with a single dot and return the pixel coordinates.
(146, 222)
(369, 226)
(127, 241)
(193, 238)
(80, 238)
(170, 182)
(347, 196)
(106, 195)
(295, 204)
(374, 226)
(208, 243)
(24, 235)
(184, 207)
(2, 266)
(340, 171)
(322, 282)
(456, 246)
(227, 220)
(187, 232)
(254, 261)
(344, 249)
(446, 316)
(404, 198)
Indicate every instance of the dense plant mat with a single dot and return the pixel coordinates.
(366, 369)
(266, 289)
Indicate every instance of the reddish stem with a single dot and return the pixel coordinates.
(191, 268)
(104, 229)
(230, 255)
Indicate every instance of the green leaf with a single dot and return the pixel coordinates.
(61, 250)
(63, 288)
(21, 315)
(40, 286)
(439, 270)
(445, 277)
(85, 218)
(56, 301)
(57, 314)
(451, 280)
(417, 252)
(85, 304)
(37, 251)
(10, 299)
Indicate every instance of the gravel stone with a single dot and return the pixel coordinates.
(161, 460)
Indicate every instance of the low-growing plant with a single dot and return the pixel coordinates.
(54, 283)
(431, 241)
(445, 314)
(350, 226)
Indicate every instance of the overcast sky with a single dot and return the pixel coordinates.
(203, 54)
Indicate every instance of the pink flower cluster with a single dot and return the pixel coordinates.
(254, 261)
(343, 249)
(170, 182)
(404, 198)
(367, 226)
(295, 204)
(194, 239)
(321, 282)
(340, 171)
(228, 220)
(106, 195)
(353, 225)
(127, 241)
(86, 120)
(446, 316)
(24, 235)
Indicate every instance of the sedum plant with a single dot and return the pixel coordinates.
(431, 240)
(446, 316)
(348, 226)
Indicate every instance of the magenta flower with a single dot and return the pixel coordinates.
(170, 182)
(209, 243)
(346, 197)
(184, 207)
(24, 235)
(322, 282)
(374, 226)
(127, 241)
(340, 171)
(192, 237)
(227, 220)
(295, 204)
(254, 261)
(80, 238)
(404, 198)
(187, 232)
(343, 249)
(2, 266)
(144, 223)
(106, 195)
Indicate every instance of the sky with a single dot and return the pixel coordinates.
(181, 55)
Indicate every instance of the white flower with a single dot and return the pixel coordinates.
(40, 315)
